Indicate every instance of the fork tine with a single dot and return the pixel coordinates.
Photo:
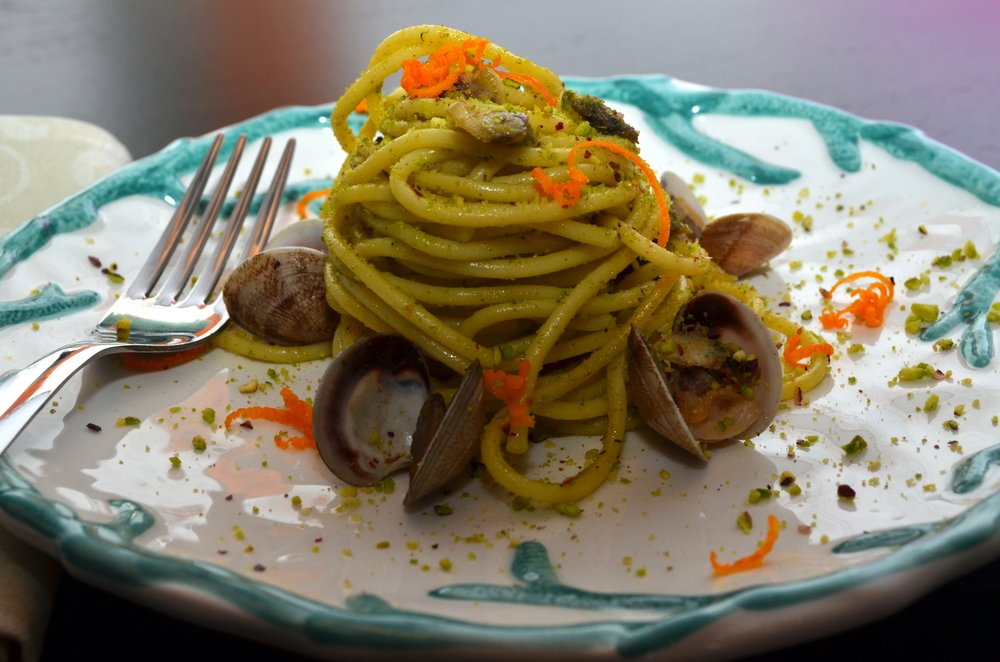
(160, 255)
(210, 273)
(178, 276)
(269, 206)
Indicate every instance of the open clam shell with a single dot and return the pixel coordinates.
(306, 233)
(367, 406)
(649, 391)
(720, 379)
(685, 208)
(452, 445)
(375, 414)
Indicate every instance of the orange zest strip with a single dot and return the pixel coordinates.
(869, 305)
(303, 205)
(296, 414)
(299, 408)
(511, 389)
(441, 70)
(445, 65)
(533, 83)
(153, 362)
(795, 352)
(754, 560)
(297, 443)
(568, 193)
(429, 80)
(565, 193)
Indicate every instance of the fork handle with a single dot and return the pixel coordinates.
(24, 393)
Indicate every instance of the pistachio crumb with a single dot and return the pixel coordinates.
(855, 446)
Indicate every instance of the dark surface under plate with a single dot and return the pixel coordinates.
(950, 623)
(150, 72)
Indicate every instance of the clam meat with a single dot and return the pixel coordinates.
(715, 376)
(490, 124)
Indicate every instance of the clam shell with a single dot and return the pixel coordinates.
(741, 243)
(659, 396)
(374, 415)
(367, 407)
(279, 295)
(307, 233)
(454, 442)
(684, 205)
(735, 324)
(649, 392)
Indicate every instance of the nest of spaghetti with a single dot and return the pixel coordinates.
(507, 228)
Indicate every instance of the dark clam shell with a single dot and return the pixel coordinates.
(367, 406)
(374, 414)
(453, 443)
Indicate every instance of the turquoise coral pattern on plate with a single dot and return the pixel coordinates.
(608, 584)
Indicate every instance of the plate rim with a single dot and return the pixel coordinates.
(42, 523)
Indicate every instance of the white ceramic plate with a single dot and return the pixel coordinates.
(223, 538)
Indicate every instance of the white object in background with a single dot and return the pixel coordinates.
(42, 161)
(46, 159)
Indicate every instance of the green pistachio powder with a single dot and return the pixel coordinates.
(107, 551)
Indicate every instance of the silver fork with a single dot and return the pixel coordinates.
(148, 318)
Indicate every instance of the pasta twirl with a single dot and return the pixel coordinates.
(485, 217)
